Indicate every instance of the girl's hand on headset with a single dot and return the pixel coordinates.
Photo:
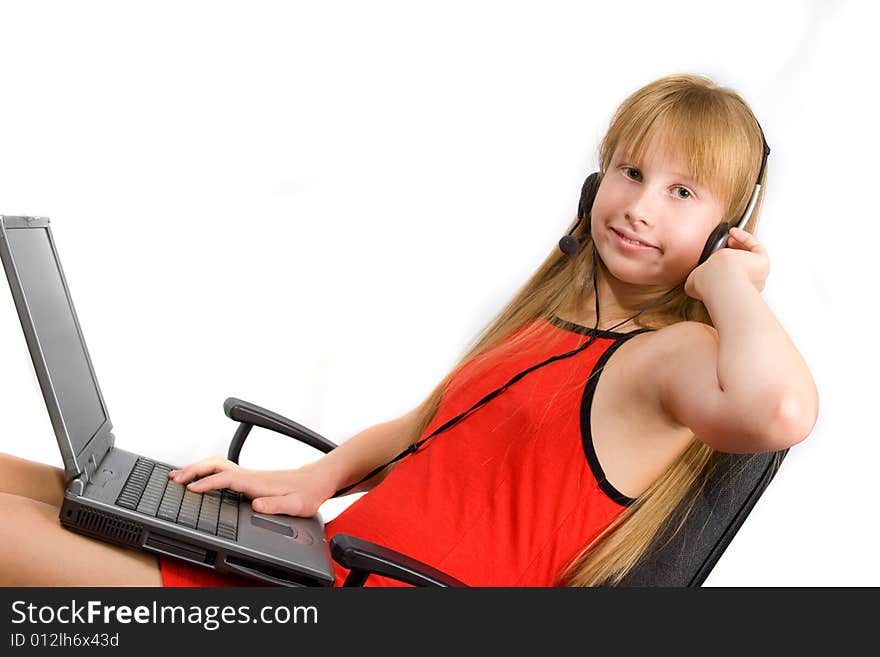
(744, 255)
(297, 492)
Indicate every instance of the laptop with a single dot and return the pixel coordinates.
(126, 498)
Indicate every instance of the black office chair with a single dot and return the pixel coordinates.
(678, 559)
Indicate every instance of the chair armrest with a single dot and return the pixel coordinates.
(363, 558)
(250, 415)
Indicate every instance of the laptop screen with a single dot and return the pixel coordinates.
(59, 340)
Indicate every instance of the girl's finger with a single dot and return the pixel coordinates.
(734, 243)
(192, 472)
(200, 469)
(745, 238)
(215, 481)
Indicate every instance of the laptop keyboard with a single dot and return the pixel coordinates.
(149, 490)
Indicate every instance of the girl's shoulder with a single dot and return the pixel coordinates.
(646, 359)
(659, 343)
(676, 336)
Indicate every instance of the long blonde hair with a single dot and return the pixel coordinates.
(713, 130)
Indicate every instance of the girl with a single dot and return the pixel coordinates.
(555, 480)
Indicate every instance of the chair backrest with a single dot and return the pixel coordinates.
(721, 507)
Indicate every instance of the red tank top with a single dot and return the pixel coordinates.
(513, 491)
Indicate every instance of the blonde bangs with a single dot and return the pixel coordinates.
(713, 135)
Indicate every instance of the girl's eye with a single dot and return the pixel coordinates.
(628, 169)
(686, 191)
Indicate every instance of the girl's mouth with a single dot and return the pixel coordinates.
(630, 245)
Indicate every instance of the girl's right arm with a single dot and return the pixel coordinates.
(365, 451)
(302, 490)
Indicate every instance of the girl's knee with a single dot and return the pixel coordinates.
(38, 481)
(36, 550)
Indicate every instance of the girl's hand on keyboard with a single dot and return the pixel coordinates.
(297, 492)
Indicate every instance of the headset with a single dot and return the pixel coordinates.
(570, 245)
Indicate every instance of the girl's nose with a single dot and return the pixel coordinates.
(643, 205)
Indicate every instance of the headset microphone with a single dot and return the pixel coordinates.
(569, 244)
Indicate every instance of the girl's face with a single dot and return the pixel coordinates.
(654, 202)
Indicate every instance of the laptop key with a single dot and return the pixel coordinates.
(129, 502)
(170, 504)
(141, 472)
(134, 486)
(149, 503)
(227, 524)
(210, 512)
(189, 509)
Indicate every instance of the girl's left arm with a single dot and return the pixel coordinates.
(757, 361)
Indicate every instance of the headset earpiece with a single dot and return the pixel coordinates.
(569, 244)
(588, 195)
(717, 240)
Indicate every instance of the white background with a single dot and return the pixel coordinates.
(316, 208)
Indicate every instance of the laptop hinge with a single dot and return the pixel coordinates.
(96, 456)
(89, 468)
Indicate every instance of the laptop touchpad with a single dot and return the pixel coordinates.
(273, 525)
